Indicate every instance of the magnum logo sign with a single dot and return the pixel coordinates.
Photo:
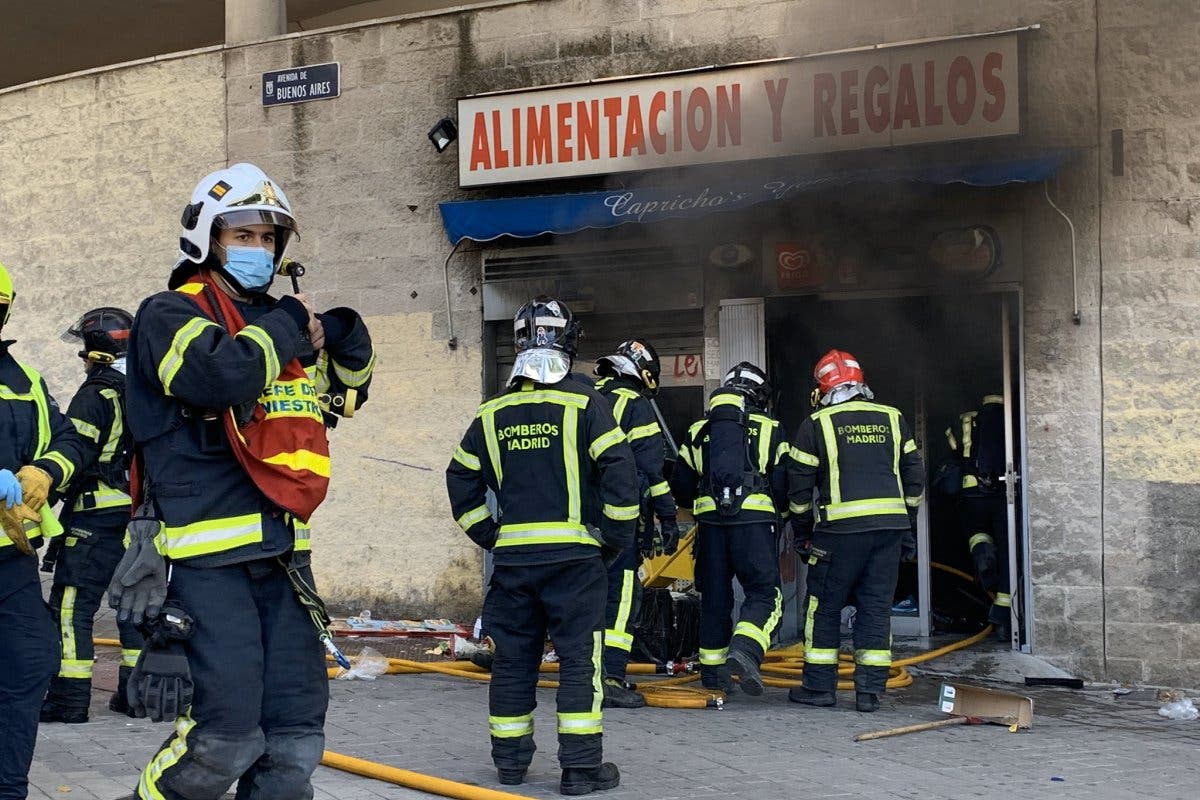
(940, 91)
(799, 264)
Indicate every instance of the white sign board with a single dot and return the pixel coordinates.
(934, 92)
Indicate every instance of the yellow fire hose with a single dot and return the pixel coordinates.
(783, 668)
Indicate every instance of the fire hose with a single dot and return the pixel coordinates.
(782, 668)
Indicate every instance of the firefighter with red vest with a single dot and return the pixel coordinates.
(95, 513)
(228, 391)
(854, 469)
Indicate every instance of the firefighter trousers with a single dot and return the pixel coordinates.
(260, 689)
(524, 604)
(29, 655)
(983, 518)
(620, 612)
(862, 566)
(749, 553)
(91, 551)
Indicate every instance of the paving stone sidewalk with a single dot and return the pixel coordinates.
(1085, 745)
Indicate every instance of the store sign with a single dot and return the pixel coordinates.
(683, 370)
(301, 84)
(934, 92)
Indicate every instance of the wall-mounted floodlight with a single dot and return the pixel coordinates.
(443, 133)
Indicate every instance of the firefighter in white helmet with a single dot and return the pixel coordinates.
(227, 390)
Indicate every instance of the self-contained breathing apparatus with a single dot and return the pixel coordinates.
(733, 472)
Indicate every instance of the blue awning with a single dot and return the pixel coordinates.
(526, 217)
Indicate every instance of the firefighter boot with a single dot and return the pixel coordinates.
(742, 665)
(585, 780)
(809, 697)
(619, 694)
(511, 777)
(52, 712)
(866, 702)
(718, 679)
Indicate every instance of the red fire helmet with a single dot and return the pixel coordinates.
(836, 368)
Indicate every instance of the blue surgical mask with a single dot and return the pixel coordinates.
(252, 267)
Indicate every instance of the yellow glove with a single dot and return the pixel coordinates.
(12, 519)
(35, 486)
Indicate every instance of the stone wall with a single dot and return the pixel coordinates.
(94, 170)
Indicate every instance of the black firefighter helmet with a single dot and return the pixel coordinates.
(751, 382)
(104, 333)
(636, 358)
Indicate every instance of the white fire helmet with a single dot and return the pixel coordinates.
(238, 195)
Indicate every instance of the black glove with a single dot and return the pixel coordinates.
(139, 584)
(160, 686)
(669, 532)
(908, 547)
(649, 540)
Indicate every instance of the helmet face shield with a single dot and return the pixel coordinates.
(103, 331)
(285, 226)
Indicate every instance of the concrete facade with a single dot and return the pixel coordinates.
(96, 168)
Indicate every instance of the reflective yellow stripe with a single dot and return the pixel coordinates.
(580, 723)
(894, 418)
(968, 422)
(63, 464)
(726, 399)
(302, 460)
(799, 508)
(66, 623)
(703, 505)
(978, 539)
(165, 759)
(784, 449)
(808, 459)
(103, 497)
(620, 406)
(969, 482)
(473, 517)
(762, 636)
(538, 533)
(493, 445)
(951, 440)
(511, 727)
(531, 397)
(873, 658)
(172, 362)
(914, 502)
(659, 489)
(909, 446)
(714, 657)
(759, 502)
(191, 288)
(831, 452)
(79, 670)
(597, 671)
(570, 451)
(605, 441)
(354, 378)
(1003, 599)
(212, 536)
(118, 426)
(260, 337)
(993, 399)
(303, 536)
(621, 513)
(129, 657)
(618, 635)
(644, 431)
(765, 434)
(820, 655)
(86, 429)
(467, 460)
(864, 508)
